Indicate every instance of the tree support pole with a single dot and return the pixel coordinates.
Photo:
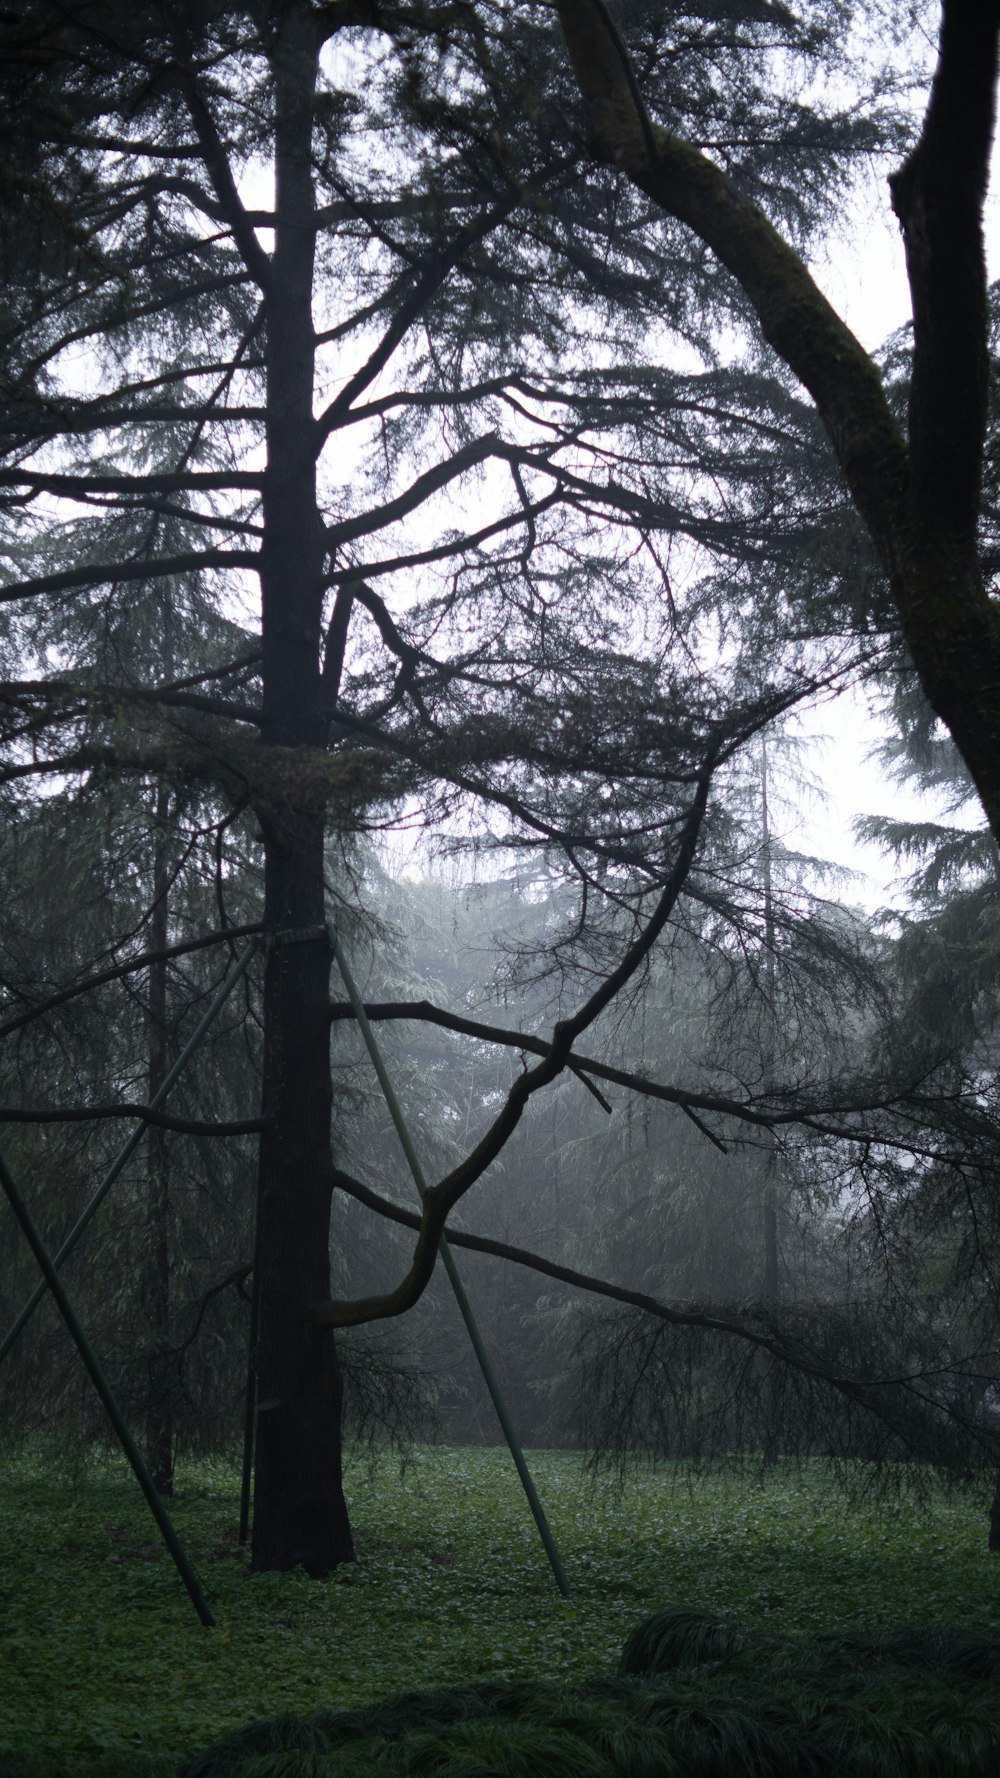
(235, 974)
(489, 1375)
(104, 1390)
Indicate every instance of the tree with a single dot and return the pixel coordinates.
(919, 496)
(474, 605)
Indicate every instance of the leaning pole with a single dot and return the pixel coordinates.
(104, 1390)
(448, 1260)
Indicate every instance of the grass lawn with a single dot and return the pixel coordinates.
(100, 1650)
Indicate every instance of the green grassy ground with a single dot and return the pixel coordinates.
(100, 1650)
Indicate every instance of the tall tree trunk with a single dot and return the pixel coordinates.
(770, 1197)
(161, 1364)
(769, 1204)
(159, 1381)
(300, 1515)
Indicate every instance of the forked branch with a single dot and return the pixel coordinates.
(441, 1199)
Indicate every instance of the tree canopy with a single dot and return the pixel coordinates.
(387, 439)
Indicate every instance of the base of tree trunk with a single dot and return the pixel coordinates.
(301, 1518)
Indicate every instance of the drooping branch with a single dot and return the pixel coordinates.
(103, 573)
(842, 1118)
(238, 1277)
(864, 1390)
(88, 1114)
(425, 1012)
(143, 960)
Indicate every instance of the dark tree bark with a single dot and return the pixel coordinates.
(300, 1512)
(769, 1206)
(159, 1361)
(918, 496)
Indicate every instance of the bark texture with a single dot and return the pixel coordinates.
(300, 1514)
(159, 1361)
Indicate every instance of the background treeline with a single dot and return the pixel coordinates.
(859, 1233)
(449, 485)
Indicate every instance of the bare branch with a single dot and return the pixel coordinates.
(116, 573)
(85, 1114)
(216, 160)
(863, 1390)
(441, 1199)
(119, 970)
(187, 482)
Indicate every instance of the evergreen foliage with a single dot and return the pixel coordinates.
(444, 485)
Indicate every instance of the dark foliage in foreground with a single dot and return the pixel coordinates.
(695, 1697)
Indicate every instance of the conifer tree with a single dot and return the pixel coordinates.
(457, 478)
